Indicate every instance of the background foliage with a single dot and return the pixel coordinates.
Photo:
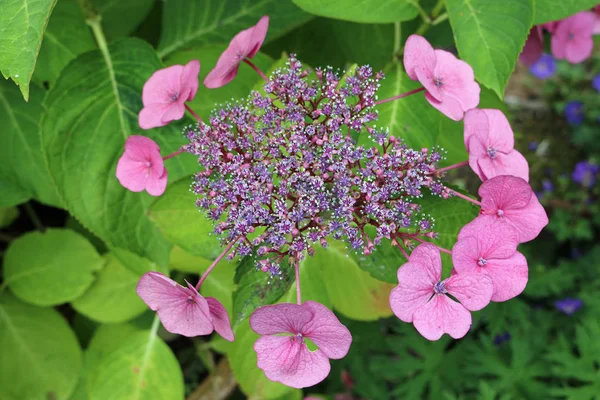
(74, 242)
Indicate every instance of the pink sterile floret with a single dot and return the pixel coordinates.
(490, 142)
(166, 92)
(572, 39)
(287, 359)
(141, 167)
(421, 297)
(534, 46)
(244, 45)
(449, 82)
(489, 246)
(510, 198)
(183, 310)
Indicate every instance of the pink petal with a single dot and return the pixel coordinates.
(174, 112)
(450, 107)
(157, 165)
(284, 359)
(474, 291)
(151, 116)
(189, 79)
(503, 193)
(458, 80)
(224, 72)
(220, 318)
(442, 315)
(576, 49)
(326, 331)
(418, 54)
(259, 33)
(280, 318)
(580, 50)
(550, 26)
(141, 148)
(476, 122)
(500, 134)
(512, 163)
(465, 255)
(429, 256)
(162, 85)
(495, 238)
(180, 310)
(528, 221)
(508, 275)
(132, 174)
(427, 79)
(157, 186)
(415, 287)
(477, 151)
(534, 47)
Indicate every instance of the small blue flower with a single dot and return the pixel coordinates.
(568, 306)
(544, 67)
(596, 82)
(547, 185)
(585, 173)
(533, 146)
(574, 112)
(503, 337)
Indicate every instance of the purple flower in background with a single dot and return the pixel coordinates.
(547, 185)
(596, 82)
(585, 173)
(568, 306)
(544, 67)
(501, 338)
(574, 112)
(533, 146)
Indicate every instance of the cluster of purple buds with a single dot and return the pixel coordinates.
(281, 172)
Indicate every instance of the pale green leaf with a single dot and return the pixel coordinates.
(176, 215)
(120, 18)
(23, 174)
(553, 10)
(66, 37)
(8, 215)
(91, 111)
(112, 297)
(490, 36)
(200, 22)
(22, 25)
(41, 358)
(365, 11)
(50, 268)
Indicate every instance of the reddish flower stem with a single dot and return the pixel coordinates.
(178, 152)
(250, 63)
(219, 258)
(443, 250)
(193, 113)
(458, 165)
(297, 270)
(404, 253)
(400, 95)
(462, 196)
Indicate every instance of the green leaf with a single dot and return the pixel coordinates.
(176, 215)
(139, 265)
(365, 11)
(490, 36)
(414, 120)
(382, 263)
(207, 99)
(201, 22)
(126, 362)
(552, 10)
(347, 43)
(91, 111)
(23, 174)
(120, 18)
(242, 359)
(66, 37)
(8, 215)
(41, 358)
(50, 268)
(112, 297)
(22, 25)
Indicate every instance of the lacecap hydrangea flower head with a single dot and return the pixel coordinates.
(281, 174)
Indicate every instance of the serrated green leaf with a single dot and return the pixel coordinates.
(66, 37)
(490, 36)
(23, 174)
(200, 22)
(182, 223)
(50, 268)
(365, 11)
(112, 297)
(553, 10)
(22, 25)
(41, 358)
(120, 18)
(91, 111)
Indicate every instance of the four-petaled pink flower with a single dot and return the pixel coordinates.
(287, 359)
(449, 82)
(572, 38)
(421, 296)
(183, 310)
(510, 198)
(244, 45)
(534, 46)
(141, 167)
(166, 92)
(490, 142)
(489, 246)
